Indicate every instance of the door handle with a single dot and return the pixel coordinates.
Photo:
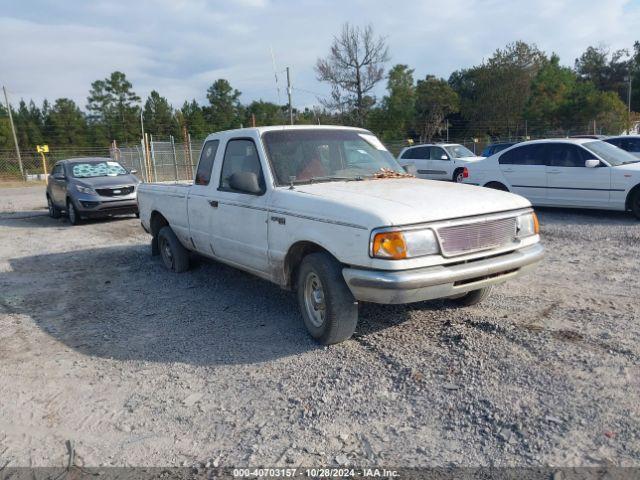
(213, 203)
(508, 170)
(553, 172)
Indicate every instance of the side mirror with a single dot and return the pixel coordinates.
(592, 163)
(59, 176)
(246, 182)
(133, 172)
(444, 157)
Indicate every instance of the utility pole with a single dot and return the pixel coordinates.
(289, 94)
(13, 130)
(629, 104)
(447, 130)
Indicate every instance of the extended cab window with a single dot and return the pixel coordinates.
(205, 165)
(240, 155)
(438, 153)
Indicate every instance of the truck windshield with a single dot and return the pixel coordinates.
(97, 169)
(304, 156)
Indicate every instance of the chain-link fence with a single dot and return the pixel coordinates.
(160, 161)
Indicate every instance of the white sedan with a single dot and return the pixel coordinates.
(583, 173)
(438, 161)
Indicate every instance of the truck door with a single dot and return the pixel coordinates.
(200, 208)
(239, 233)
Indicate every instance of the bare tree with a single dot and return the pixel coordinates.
(353, 67)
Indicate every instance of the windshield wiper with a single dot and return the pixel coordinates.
(330, 178)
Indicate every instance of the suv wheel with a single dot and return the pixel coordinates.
(54, 212)
(328, 308)
(72, 213)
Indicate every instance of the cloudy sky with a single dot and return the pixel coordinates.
(54, 48)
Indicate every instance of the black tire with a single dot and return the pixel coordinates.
(337, 309)
(137, 214)
(72, 213)
(635, 203)
(174, 256)
(457, 175)
(54, 212)
(497, 186)
(472, 298)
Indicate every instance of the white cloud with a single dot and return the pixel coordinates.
(179, 47)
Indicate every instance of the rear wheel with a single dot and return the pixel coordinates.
(174, 256)
(72, 213)
(472, 298)
(54, 212)
(328, 308)
(635, 204)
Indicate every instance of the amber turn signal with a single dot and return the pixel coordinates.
(389, 245)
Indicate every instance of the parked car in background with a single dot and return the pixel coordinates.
(438, 161)
(629, 143)
(564, 173)
(91, 187)
(494, 148)
(591, 136)
(329, 213)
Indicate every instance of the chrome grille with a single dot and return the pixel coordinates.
(472, 237)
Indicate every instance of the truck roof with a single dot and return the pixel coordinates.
(261, 130)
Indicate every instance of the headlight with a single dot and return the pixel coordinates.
(396, 245)
(527, 225)
(87, 190)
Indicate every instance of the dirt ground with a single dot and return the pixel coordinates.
(100, 345)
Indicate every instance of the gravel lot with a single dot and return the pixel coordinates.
(99, 344)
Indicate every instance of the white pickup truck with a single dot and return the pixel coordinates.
(329, 213)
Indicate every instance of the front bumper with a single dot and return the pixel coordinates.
(407, 286)
(92, 206)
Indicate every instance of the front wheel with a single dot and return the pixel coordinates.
(54, 212)
(174, 256)
(72, 213)
(328, 308)
(635, 204)
(458, 175)
(472, 298)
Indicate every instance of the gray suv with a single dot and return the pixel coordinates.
(91, 187)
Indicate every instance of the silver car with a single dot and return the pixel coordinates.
(91, 187)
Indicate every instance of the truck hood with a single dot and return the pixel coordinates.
(405, 201)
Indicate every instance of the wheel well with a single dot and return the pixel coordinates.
(497, 186)
(632, 192)
(456, 170)
(294, 257)
(157, 222)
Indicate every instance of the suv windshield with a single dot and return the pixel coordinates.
(97, 169)
(459, 151)
(303, 156)
(614, 156)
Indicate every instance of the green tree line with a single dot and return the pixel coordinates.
(518, 90)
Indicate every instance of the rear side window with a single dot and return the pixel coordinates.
(240, 156)
(524, 155)
(417, 153)
(205, 165)
(563, 155)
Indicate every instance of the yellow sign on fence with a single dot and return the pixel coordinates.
(42, 149)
